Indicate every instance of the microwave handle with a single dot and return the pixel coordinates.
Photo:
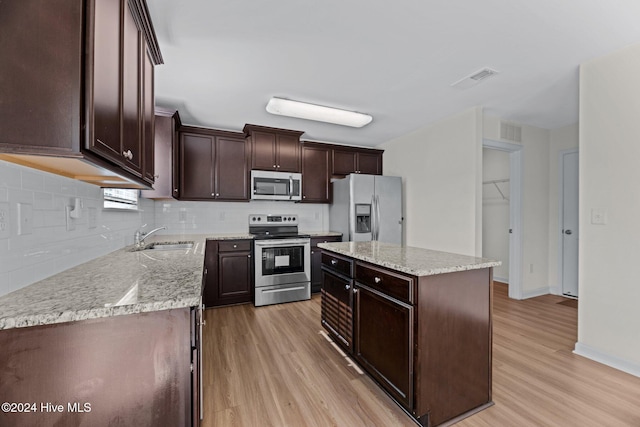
(290, 187)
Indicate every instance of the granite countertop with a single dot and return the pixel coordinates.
(125, 281)
(321, 233)
(407, 259)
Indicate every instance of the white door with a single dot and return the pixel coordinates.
(569, 226)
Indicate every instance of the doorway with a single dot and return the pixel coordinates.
(568, 241)
(515, 153)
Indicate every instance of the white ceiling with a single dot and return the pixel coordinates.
(395, 60)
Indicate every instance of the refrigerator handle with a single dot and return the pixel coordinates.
(377, 217)
(373, 217)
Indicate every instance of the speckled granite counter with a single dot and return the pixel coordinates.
(321, 233)
(410, 260)
(122, 282)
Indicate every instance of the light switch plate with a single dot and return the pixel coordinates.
(5, 231)
(25, 218)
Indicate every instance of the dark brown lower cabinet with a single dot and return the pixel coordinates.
(383, 336)
(130, 370)
(426, 340)
(229, 272)
(316, 260)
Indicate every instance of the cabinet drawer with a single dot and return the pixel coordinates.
(234, 245)
(337, 263)
(391, 284)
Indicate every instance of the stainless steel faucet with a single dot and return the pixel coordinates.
(141, 235)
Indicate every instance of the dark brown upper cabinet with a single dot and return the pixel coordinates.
(316, 170)
(165, 124)
(347, 160)
(212, 165)
(274, 149)
(77, 81)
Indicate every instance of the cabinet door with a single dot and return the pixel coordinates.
(106, 80)
(383, 335)
(148, 105)
(234, 277)
(196, 167)
(163, 139)
(288, 147)
(343, 162)
(370, 163)
(315, 174)
(231, 171)
(131, 94)
(263, 151)
(336, 314)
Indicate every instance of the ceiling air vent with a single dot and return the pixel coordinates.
(510, 132)
(474, 78)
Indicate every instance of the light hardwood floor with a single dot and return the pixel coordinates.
(271, 366)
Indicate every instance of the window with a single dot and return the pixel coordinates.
(120, 198)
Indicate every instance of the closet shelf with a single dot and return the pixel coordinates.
(495, 182)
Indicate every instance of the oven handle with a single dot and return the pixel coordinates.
(272, 242)
(271, 291)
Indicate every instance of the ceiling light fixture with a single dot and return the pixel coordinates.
(303, 110)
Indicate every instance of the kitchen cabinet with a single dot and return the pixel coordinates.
(164, 135)
(316, 260)
(80, 75)
(148, 116)
(274, 149)
(316, 186)
(105, 369)
(347, 160)
(212, 165)
(425, 339)
(337, 299)
(383, 332)
(229, 272)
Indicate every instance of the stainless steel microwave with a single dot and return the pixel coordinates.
(268, 185)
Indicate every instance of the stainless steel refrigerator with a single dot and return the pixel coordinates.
(367, 207)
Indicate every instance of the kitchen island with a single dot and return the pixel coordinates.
(114, 341)
(418, 321)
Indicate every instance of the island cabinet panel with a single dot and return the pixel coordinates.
(132, 370)
(455, 319)
(337, 299)
(383, 336)
(229, 272)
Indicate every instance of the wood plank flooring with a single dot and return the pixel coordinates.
(271, 366)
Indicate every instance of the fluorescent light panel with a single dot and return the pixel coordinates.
(303, 110)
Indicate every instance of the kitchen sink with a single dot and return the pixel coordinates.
(169, 246)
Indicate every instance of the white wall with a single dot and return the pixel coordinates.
(535, 204)
(441, 167)
(50, 248)
(609, 272)
(561, 139)
(495, 211)
(232, 217)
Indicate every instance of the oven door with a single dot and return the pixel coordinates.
(281, 261)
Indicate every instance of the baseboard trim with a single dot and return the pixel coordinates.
(607, 359)
(501, 279)
(535, 293)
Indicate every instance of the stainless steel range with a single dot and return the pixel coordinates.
(282, 259)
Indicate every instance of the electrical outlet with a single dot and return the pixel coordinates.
(71, 224)
(4, 221)
(598, 216)
(25, 218)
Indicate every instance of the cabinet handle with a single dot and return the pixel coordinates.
(347, 287)
(304, 197)
(334, 262)
(278, 166)
(213, 194)
(175, 190)
(235, 246)
(248, 256)
(377, 279)
(217, 194)
(274, 166)
(128, 154)
(355, 291)
(312, 252)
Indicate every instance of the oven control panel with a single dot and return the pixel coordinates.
(262, 219)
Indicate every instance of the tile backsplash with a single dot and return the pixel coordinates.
(36, 241)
